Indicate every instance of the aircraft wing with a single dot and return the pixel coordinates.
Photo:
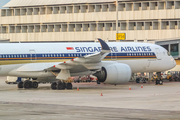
(90, 62)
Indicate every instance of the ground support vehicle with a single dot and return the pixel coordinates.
(89, 78)
(169, 75)
(13, 80)
(141, 77)
(175, 76)
(158, 78)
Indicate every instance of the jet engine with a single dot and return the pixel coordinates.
(114, 74)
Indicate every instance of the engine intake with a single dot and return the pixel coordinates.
(114, 74)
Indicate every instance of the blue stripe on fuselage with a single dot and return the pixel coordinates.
(44, 56)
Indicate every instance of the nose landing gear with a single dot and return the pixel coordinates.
(159, 80)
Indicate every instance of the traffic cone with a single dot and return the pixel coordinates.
(77, 88)
(141, 86)
(129, 87)
(101, 94)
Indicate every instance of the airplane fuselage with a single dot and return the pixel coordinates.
(141, 57)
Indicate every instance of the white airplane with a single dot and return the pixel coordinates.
(111, 62)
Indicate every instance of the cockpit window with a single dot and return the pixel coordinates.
(168, 53)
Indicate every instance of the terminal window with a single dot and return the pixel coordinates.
(174, 49)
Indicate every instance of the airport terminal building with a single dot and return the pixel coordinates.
(85, 20)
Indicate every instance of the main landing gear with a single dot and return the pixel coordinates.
(28, 84)
(61, 85)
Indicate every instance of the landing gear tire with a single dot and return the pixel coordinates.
(30, 84)
(34, 84)
(54, 86)
(137, 80)
(157, 81)
(61, 86)
(98, 82)
(170, 79)
(26, 84)
(20, 85)
(144, 80)
(69, 86)
(160, 82)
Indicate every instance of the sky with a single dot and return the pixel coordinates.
(3, 2)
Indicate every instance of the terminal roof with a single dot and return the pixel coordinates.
(23, 3)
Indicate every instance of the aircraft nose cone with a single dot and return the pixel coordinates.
(174, 63)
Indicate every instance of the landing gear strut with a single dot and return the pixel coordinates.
(60, 85)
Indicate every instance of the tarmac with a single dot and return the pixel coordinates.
(161, 102)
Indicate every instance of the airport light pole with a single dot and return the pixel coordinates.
(117, 16)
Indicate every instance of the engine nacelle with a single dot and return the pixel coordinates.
(114, 74)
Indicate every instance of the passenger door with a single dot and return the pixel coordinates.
(33, 56)
(158, 54)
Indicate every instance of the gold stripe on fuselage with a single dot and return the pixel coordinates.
(8, 62)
